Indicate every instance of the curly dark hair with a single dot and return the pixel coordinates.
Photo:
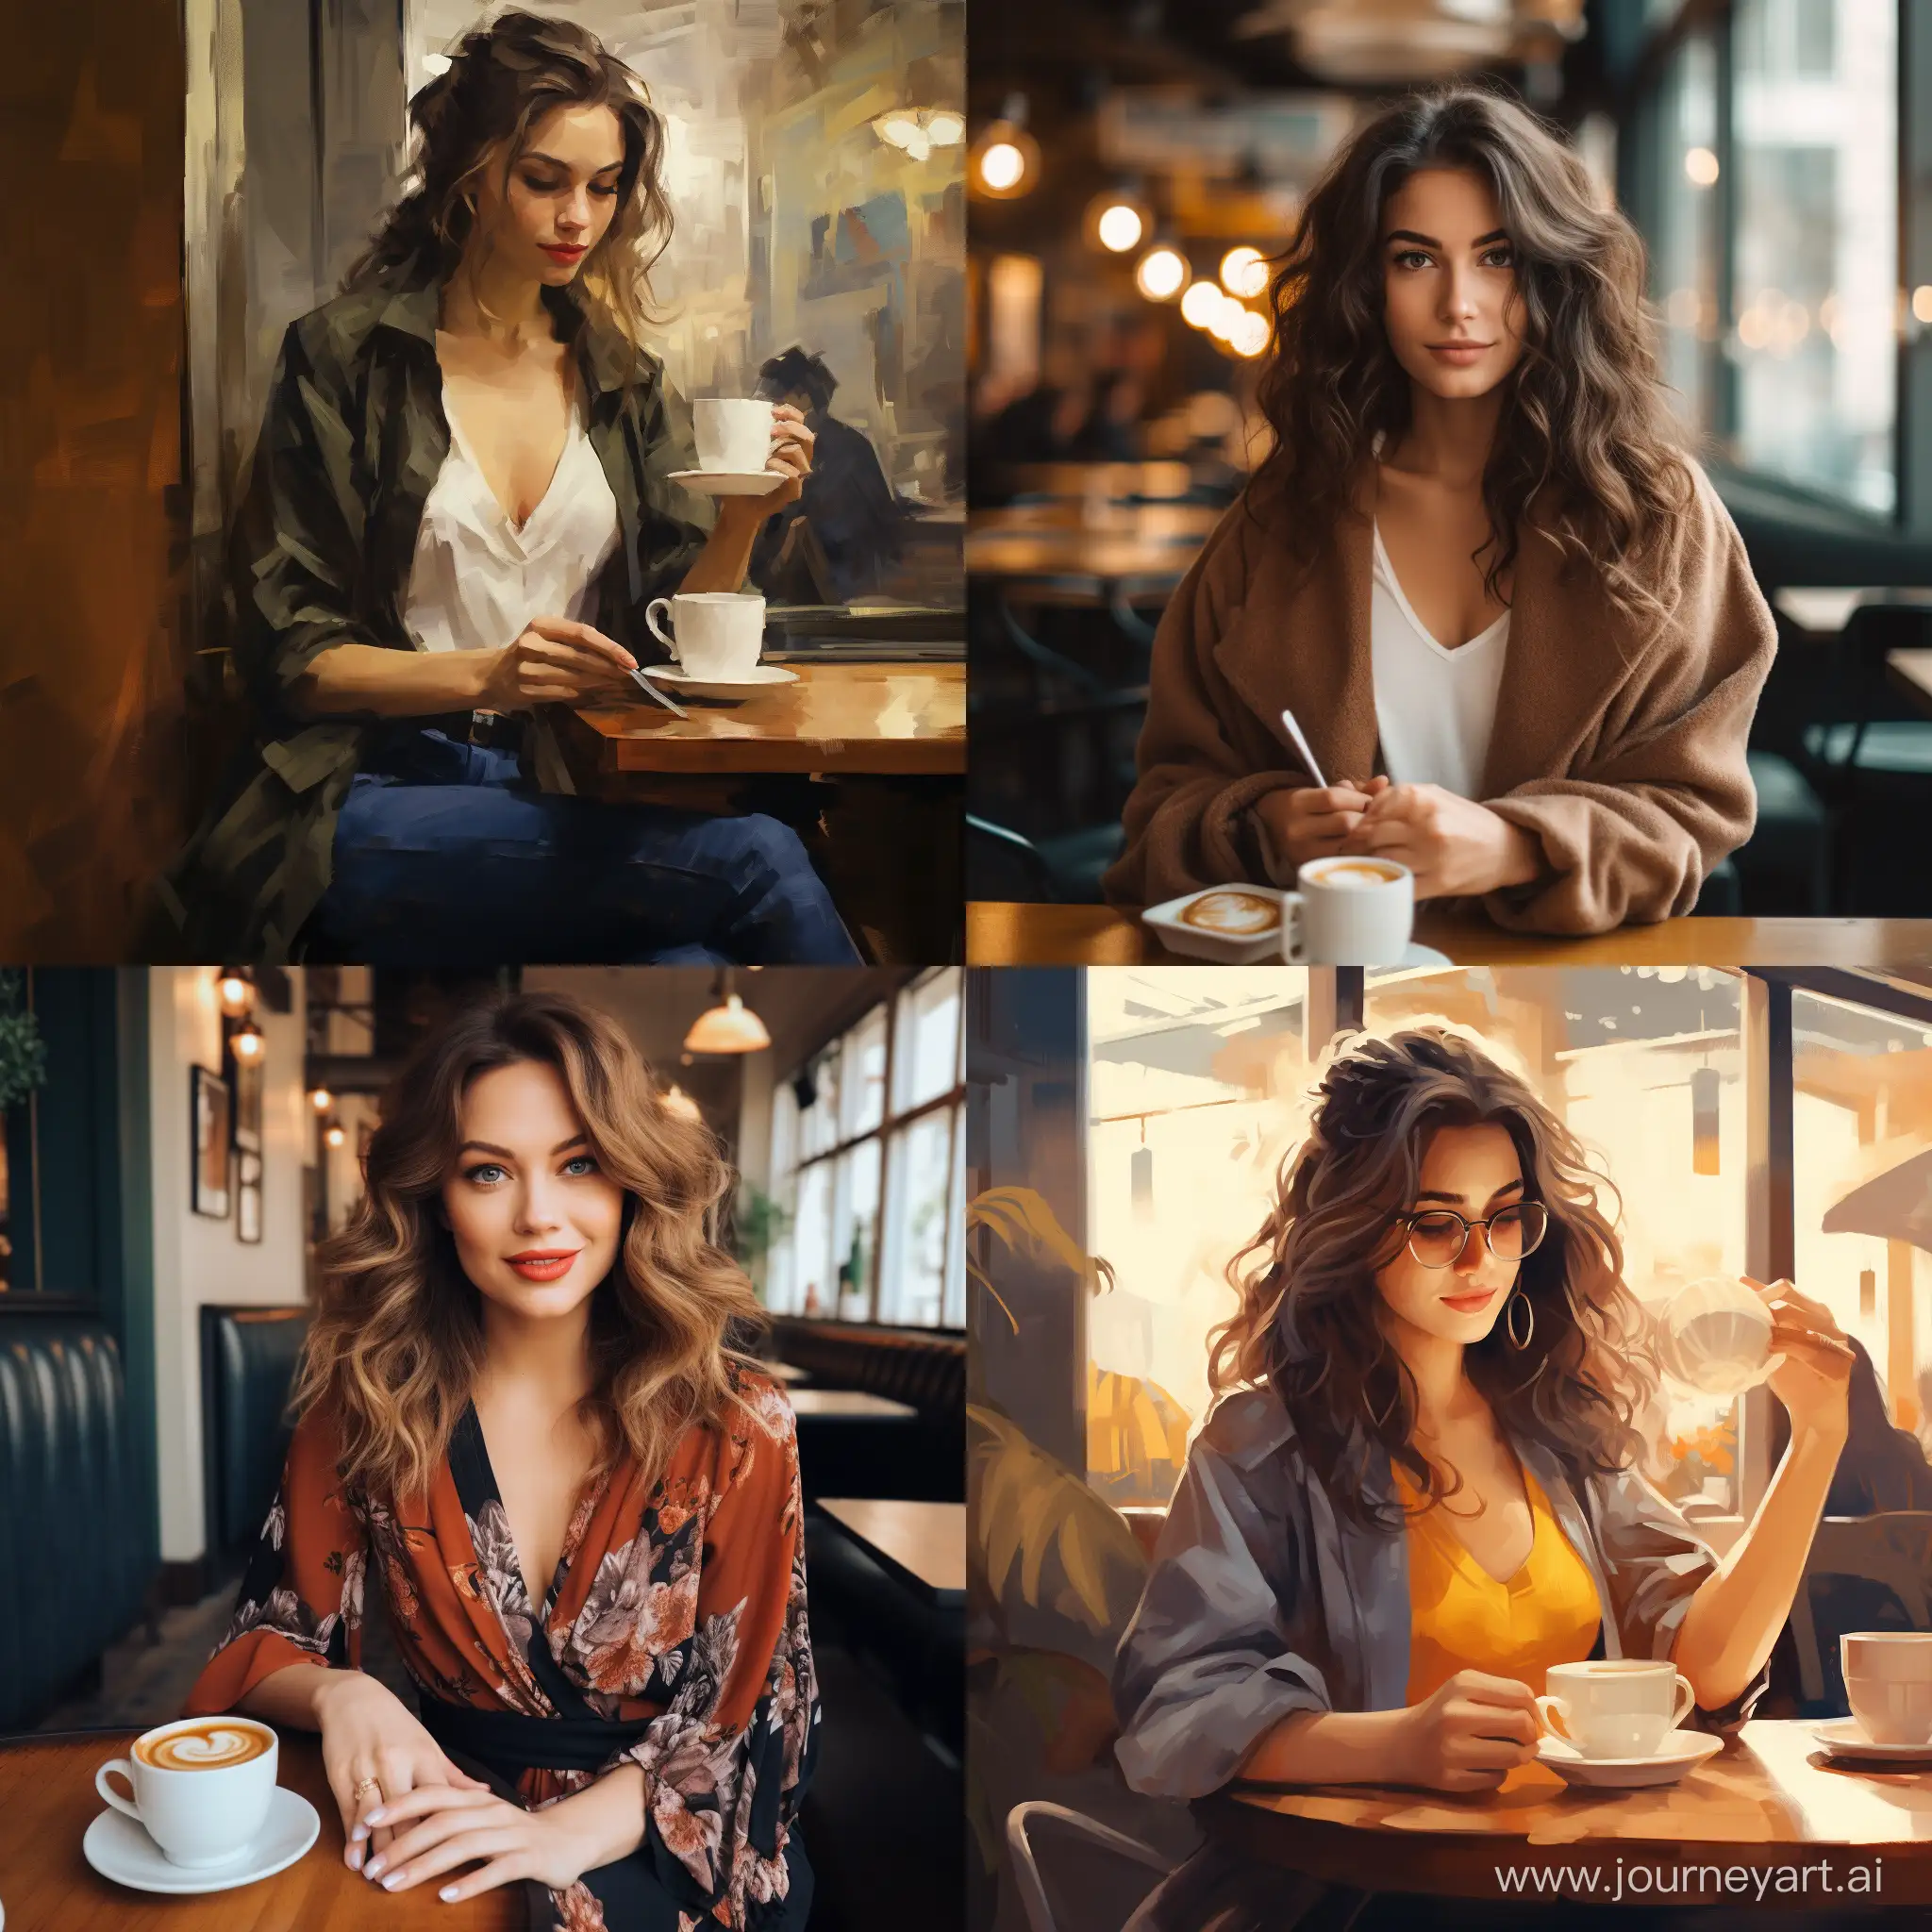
(501, 81)
(1306, 1325)
(1583, 425)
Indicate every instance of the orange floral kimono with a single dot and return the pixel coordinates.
(673, 1637)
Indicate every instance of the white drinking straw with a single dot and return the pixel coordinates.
(1301, 744)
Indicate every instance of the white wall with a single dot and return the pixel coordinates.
(197, 1260)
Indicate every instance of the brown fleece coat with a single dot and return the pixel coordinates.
(1619, 738)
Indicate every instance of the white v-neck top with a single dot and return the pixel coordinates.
(1435, 708)
(477, 579)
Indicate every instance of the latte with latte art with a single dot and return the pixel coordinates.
(210, 1747)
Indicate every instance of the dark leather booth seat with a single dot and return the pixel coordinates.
(921, 1458)
(74, 1538)
(248, 1358)
(915, 1648)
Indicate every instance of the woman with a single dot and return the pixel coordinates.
(518, 1404)
(1420, 1491)
(1514, 620)
(459, 506)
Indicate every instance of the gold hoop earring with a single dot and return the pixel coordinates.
(1520, 1300)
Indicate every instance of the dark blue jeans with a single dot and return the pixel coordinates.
(443, 856)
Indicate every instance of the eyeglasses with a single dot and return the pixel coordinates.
(1438, 1235)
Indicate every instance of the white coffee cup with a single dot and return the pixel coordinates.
(1889, 1681)
(1615, 1707)
(210, 1807)
(733, 433)
(1714, 1334)
(1348, 913)
(714, 634)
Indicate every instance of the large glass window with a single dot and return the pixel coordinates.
(868, 1153)
(1815, 249)
(1684, 251)
(1862, 1188)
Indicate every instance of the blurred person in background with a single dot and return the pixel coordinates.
(833, 543)
(1509, 609)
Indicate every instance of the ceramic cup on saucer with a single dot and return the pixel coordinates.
(202, 1787)
(1615, 1707)
(734, 433)
(1888, 1680)
(1348, 913)
(714, 635)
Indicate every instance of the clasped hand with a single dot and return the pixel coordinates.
(1454, 846)
(435, 1829)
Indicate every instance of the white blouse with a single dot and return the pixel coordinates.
(477, 579)
(1434, 708)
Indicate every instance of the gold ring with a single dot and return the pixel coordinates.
(365, 1785)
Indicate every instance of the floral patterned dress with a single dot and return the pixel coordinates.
(676, 1616)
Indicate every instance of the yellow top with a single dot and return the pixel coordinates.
(1461, 1618)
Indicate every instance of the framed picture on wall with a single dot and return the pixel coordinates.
(248, 1076)
(211, 1119)
(247, 1196)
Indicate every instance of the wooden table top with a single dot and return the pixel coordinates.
(1002, 933)
(1771, 1798)
(848, 1405)
(1911, 672)
(47, 1801)
(883, 720)
(1109, 555)
(923, 1543)
(1824, 609)
(787, 1373)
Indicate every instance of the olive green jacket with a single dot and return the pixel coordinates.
(321, 552)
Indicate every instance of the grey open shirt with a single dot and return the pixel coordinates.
(1263, 1599)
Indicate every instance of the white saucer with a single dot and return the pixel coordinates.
(118, 1849)
(728, 482)
(1245, 949)
(761, 678)
(1681, 1751)
(1844, 1737)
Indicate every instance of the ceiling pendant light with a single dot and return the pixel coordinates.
(728, 1025)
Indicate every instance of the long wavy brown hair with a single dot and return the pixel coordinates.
(1583, 431)
(1307, 1326)
(502, 80)
(397, 1338)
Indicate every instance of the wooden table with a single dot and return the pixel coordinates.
(1823, 611)
(848, 1405)
(861, 719)
(1001, 933)
(1769, 1800)
(784, 1371)
(924, 1544)
(47, 1801)
(1110, 556)
(1911, 673)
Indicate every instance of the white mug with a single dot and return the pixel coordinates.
(1348, 913)
(1615, 1707)
(212, 1806)
(733, 433)
(1889, 1682)
(714, 634)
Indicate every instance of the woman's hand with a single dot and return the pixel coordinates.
(556, 661)
(1312, 821)
(1452, 845)
(790, 458)
(435, 1827)
(367, 1732)
(1467, 1735)
(1814, 1380)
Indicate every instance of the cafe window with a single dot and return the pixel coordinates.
(868, 1165)
(1815, 269)
(1862, 1186)
(1192, 1079)
(1684, 245)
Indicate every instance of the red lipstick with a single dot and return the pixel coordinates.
(1473, 1302)
(564, 254)
(543, 1264)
